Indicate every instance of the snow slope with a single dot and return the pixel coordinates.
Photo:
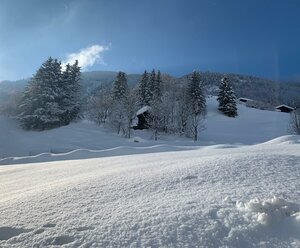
(215, 196)
(83, 139)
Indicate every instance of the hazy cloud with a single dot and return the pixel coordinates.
(87, 56)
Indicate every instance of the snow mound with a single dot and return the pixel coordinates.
(286, 139)
(271, 211)
(137, 139)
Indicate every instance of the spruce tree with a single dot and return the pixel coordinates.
(119, 96)
(71, 89)
(196, 102)
(156, 114)
(143, 90)
(151, 86)
(39, 106)
(157, 86)
(227, 98)
(196, 97)
(52, 98)
(120, 87)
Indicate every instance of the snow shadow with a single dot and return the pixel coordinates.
(7, 232)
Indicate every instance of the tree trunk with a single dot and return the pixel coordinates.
(196, 133)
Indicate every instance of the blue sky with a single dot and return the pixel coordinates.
(253, 37)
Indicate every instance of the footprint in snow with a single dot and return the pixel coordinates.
(7, 232)
(84, 228)
(49, 225)
(39, 231)
(59, 240)
(189, 177)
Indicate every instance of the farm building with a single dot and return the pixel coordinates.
(142, 115)
(284, 108)
(244, 100)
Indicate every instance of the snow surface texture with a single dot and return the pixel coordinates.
(87, 140)
(215, 196)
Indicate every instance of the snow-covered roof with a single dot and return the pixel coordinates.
(143, 110)
(283, 105)
(245, 99)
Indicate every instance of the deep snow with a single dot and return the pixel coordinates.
(92, 188)
(209, 197)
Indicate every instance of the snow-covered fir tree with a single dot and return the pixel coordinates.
(51, 98)
(120, 86)
(157, 91)
(71, 89)
(118, 117)
(143, 90)
(156, 117)
(151, 86)
(40, 107)
(196, 103)
(227, 98)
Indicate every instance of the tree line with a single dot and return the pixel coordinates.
(173, 109)
(53, 98)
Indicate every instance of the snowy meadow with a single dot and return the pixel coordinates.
(82, 186)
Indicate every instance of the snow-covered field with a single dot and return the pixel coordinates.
(92, 188)
(87, 140)
(209, 197)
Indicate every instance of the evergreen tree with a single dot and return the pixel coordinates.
(227, 99)
(71, 89)
(143, 90)
(52, 98)
(119, 96)
(156, 117)
(39, 106)
(157, 86)
(120, 87)
(196, 103)
(151, 87)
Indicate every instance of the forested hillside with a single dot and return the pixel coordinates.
(256, 88)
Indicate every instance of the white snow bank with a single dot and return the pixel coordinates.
(283, 140)
(170, 199)
(271, 211)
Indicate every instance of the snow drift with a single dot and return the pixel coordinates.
(212, 197)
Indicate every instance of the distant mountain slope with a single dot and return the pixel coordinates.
(93, 79)
(255, 88)
(245, 86)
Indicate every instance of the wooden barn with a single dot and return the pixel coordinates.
(142, 116)
(284, 108)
